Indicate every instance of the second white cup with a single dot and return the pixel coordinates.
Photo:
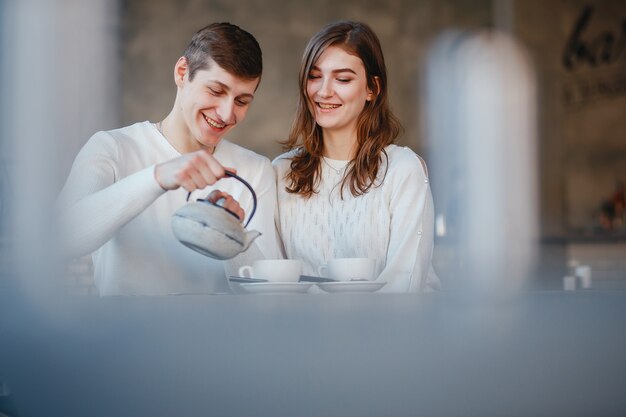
(275, 270)
(349, 269)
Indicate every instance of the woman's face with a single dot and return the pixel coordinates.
(337, 90)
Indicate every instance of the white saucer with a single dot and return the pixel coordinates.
(351, 286)
(274, 287)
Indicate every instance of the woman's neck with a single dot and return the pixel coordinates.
(339, 145)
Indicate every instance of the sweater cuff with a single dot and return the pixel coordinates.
(147, 181)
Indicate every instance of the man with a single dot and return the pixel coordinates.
(125, 184)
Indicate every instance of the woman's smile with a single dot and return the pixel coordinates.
(328, 106)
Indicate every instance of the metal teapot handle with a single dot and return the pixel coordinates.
(248, 186)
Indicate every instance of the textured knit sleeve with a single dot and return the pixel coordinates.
(94, 202)
(409, 254)
(280, 165)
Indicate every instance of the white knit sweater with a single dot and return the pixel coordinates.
(392, 223)
(111, 205)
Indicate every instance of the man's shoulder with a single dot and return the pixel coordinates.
(247, 162)
(134, 132)
(240, 154)
(117, 142)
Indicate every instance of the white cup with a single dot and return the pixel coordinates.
(275, 270)
(569, 283)
(349, 269)
(583, 272)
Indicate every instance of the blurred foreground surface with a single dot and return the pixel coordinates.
(445, 354)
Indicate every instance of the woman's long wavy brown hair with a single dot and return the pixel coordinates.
(377, 126)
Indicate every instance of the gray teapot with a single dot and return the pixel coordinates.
(214, 230)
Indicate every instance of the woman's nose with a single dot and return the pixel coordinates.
(325, 88)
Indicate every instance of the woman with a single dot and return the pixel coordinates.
(344, 190)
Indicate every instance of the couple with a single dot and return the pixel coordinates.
(343, 190)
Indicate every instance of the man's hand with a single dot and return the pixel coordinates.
(191, 171)
(229, 202)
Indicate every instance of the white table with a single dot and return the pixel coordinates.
(443, 354)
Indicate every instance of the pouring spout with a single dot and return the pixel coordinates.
(249, 237)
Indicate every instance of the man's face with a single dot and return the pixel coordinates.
(214, 102)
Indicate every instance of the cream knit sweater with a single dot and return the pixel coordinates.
(393, 223)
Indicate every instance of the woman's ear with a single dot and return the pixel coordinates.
(371, 95)
(180, 70)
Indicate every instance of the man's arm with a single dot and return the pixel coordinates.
(95, 202)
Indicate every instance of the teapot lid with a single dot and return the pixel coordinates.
(208, 228)
(247, 185)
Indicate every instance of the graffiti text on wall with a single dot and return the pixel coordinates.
(595, 50)
(602, 53)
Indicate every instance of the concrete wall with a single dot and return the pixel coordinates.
(156, 32)
(581, 127)
(582, 87)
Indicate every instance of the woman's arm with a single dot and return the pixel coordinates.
(409, 254)
(280, 165)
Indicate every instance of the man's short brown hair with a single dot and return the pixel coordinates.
(231, 47)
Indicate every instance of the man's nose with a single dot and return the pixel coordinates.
(226, 112)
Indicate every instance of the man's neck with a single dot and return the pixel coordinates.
(175, 131)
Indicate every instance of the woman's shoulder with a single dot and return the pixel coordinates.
(283, 161)
(402, 160)
(287, 156)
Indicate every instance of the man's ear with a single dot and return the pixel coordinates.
(180, 71)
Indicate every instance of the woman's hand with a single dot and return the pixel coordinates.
(192, 171)
(228, 202)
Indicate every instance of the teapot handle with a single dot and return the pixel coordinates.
(248, 186)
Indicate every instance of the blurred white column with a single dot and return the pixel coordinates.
(60, 66)
(481, 125)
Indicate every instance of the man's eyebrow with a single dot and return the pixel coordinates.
(221, 84)
(247, 95)
(335, 71)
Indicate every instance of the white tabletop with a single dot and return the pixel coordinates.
(445, 354)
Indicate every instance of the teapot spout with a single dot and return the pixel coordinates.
(249, 238)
